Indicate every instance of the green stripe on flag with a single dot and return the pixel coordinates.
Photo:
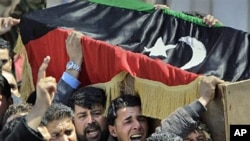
(128, 4)
(186, 17)
(145, 7)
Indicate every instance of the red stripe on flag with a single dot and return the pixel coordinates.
(102, 61)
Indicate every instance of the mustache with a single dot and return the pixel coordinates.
(93, 125)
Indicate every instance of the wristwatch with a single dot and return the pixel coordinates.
(73, 66)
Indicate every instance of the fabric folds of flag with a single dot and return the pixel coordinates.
(108, 64)
(131, 37)
(175, 38)
(102, 61)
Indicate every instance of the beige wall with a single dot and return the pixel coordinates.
(51, 3)
(248, 17)
(233, 13)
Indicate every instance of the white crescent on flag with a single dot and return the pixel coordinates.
(198, 49)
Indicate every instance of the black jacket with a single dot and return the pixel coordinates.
(22, 133)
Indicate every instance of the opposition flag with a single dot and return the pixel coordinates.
(173, 37)
(104, 63)
(131, 36)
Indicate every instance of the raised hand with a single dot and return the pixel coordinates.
(6, 24)
(207, 88)
(46, 86)
(210, 20)
(45, 91)
(161, 6)
(74, 51)
(74, 47)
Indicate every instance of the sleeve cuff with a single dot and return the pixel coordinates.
(195, 109)
(71, 80)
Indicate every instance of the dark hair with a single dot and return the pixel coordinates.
(6, 45)
(5, 89)
(57, 111)
(87, 97)
(15, 110)
(125, 100)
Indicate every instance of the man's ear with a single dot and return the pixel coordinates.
(112, 131)
(44, 131)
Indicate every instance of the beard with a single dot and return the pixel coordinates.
(102, 135)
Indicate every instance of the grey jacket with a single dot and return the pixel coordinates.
(180, 123)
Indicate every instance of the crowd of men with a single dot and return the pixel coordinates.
(64, 111)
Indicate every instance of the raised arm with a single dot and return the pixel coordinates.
(69, 81)
(184, 119)
(45, 90)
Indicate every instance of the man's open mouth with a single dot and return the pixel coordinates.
(92, 133)
(136, 137)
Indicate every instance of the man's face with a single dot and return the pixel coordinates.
(195, 136)
(62, 130)
(4, 56)
(91, 124)
(130, 125)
